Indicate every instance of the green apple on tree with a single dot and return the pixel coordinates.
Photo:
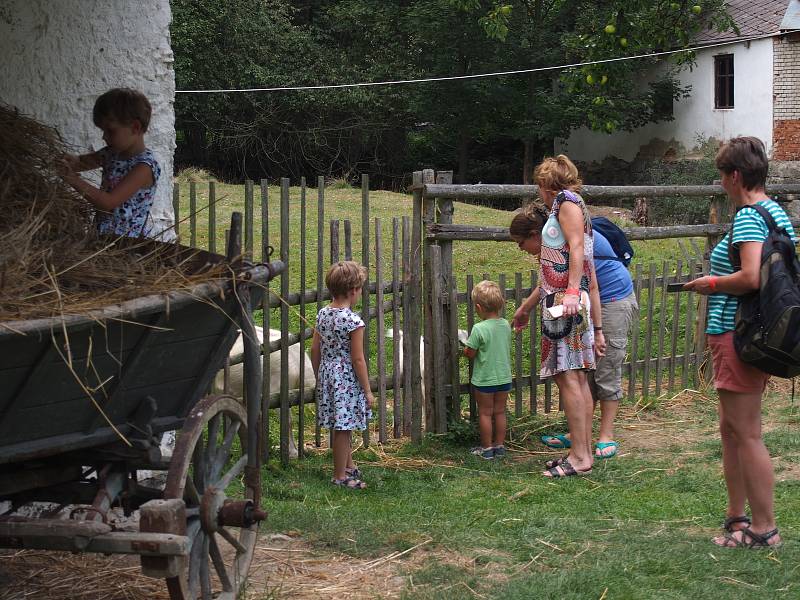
(697, 9)
(610, 29)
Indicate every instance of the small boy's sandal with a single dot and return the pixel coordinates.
(755, 541)
(351, 483)
(729, 522)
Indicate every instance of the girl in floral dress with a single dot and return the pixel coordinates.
(130, 170)
(337, 354)
(570, 338)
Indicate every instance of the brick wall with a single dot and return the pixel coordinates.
(786, 107)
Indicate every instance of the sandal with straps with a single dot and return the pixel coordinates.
(349, 482)
(729, 522)
(354, 472)
(552, 464)
(757, 540)
(567, 470)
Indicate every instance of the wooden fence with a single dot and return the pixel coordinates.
(667, 350)
(421, 295)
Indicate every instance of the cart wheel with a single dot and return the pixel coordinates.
(206, 465)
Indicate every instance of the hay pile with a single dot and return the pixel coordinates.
(51, 260)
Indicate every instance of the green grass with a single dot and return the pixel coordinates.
(638, 527)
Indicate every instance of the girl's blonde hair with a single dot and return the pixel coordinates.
(344, 276)
(489, 296)
(557, 174)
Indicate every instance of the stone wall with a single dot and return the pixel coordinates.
(59, 56)
(786, 127)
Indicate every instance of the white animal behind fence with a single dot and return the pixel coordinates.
(236, 374)
(462, 336)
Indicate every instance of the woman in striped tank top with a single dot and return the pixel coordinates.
(749, 476)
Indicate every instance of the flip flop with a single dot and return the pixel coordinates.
(556, 442)
(600, 446)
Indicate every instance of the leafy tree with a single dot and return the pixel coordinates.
(392, 130)
(606, 96)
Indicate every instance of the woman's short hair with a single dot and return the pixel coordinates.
(529, 220)
(123, 105)
(488, 295)
(746, 155)
(344, 276)
(557, 173)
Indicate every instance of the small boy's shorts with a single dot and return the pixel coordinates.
(490, 389)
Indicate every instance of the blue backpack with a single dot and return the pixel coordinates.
(616, 237)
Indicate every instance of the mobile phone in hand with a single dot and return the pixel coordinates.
(676, 287)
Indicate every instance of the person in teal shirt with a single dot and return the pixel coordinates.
(746, 464)
(489, 345)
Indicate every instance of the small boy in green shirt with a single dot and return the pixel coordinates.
(489, 344)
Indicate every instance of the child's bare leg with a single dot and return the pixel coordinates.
(350, 464)
(500, 399)
(485, 410)
(341, 453)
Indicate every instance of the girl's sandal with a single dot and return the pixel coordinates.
(355, 472)
(349, 482)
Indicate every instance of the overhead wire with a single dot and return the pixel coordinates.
(492, 74)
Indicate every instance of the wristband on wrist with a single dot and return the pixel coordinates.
(598, 328)
(572, 292)
(712, 283)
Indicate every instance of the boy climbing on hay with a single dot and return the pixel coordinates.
(130, 171)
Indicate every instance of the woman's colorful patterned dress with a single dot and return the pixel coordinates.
(567, 342)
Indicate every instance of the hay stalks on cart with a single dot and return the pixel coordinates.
(51, 260)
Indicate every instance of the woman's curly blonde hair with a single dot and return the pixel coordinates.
(557, 174)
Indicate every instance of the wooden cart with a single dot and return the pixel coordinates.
(84, 402)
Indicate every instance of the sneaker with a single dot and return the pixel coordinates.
(499, 451)
(486, 453)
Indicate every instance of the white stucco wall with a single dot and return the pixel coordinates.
(58, 56)
(696, 116)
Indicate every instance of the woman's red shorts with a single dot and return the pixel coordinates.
(730, 373)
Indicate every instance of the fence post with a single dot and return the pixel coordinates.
(428, 217)
(365, 298)
(415, 312)
(437, 341)
(718, 212)
(176, 209)
(285, 431)
(446, 210)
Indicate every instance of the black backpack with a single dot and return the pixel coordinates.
(616, 237)
(767, 334)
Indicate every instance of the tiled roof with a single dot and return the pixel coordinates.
(753, 17)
